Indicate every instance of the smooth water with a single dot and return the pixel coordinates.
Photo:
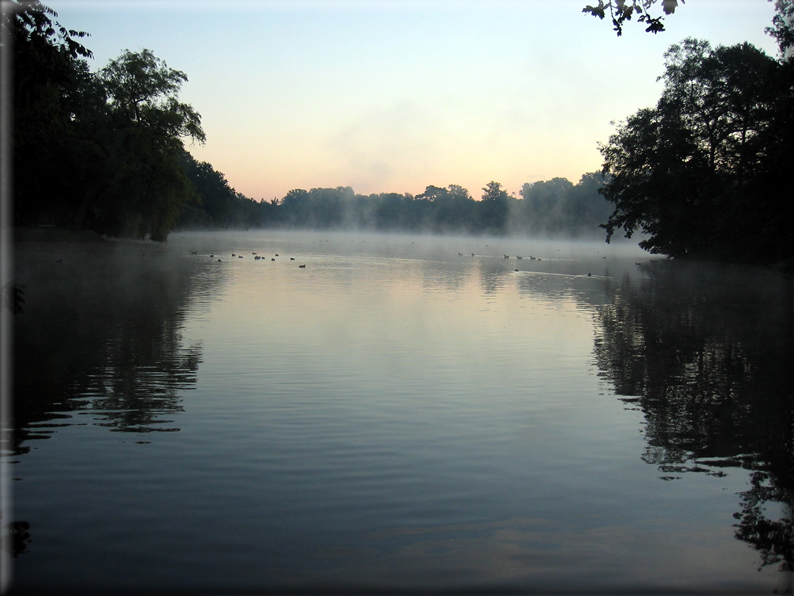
(402, 413)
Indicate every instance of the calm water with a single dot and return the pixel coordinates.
(396, 415)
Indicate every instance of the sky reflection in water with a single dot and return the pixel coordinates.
(396, 415)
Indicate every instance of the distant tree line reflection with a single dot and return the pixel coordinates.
(705, 354)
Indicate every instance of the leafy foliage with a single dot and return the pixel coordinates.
(621, 11)
(101, 151)
(781, 28)
(700, 173)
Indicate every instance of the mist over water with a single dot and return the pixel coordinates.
(398, 412)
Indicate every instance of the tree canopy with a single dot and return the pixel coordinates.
(103, 150)
(702, 173)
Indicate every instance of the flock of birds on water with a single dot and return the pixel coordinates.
(303, 266)
(256, 257)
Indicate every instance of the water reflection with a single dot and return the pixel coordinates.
(705, 352)
(101, 333)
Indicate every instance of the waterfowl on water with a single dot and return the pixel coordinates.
(272, 259)
(519, 258)
(292, 258)
(302, 266)
(506, 257)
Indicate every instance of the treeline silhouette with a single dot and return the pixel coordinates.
(555, 207)
(702, 174)
(106, 151)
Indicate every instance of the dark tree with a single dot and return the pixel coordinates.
(493, 208)
(781, 28)
(698, 174)
(48, 71)
(102, 151)
(139, 186)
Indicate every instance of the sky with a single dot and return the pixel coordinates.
(393, 96)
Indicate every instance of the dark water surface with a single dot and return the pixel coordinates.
(397, 416)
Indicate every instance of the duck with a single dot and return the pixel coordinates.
(302, 266)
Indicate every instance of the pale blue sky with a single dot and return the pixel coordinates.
(394, 96)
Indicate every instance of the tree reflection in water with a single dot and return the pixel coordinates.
(102, 333)
(705, 353)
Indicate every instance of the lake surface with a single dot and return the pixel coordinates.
(402, 413)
